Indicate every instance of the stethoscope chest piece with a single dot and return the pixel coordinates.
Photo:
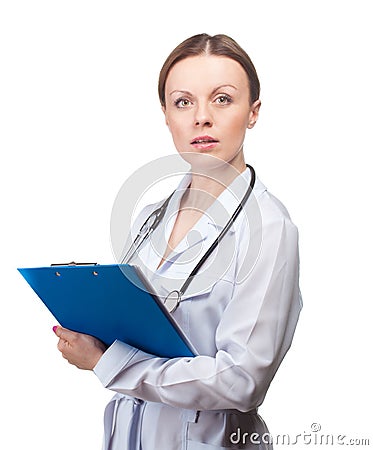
(172, 301)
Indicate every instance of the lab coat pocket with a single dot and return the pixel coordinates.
(208, 304)
(217, 430)
(204, 285)
(199, 446)
(208, 432)
(199, 287)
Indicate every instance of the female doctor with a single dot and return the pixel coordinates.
(241, 309)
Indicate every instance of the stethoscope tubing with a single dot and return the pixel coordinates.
(146, 230)
(173, 299)
(223, 232)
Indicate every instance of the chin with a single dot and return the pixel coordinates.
(202, 160)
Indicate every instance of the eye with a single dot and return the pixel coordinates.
(182, 102)
(223, 99)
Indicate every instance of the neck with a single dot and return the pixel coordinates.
(208, 183)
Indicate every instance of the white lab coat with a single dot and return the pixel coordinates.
(240, 313)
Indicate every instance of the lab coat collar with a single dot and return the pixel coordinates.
(218, 214)
(215, 217)
(225, 205)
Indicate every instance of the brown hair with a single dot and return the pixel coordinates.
(218, 45)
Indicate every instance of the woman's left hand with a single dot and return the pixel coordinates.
(81, 350)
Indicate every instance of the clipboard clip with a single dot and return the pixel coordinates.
(73, 263)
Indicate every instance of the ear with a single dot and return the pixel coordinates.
(165, 114)
(254, 114)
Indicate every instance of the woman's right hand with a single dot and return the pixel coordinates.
(81, 350)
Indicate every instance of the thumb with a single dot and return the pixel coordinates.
(59, 331)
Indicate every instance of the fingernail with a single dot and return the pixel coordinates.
(54, 328)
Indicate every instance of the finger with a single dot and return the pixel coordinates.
(62, 344)
(58, 330)
(64, 333)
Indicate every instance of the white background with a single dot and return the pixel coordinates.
(79, 113)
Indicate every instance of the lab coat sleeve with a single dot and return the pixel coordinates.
(254, 333)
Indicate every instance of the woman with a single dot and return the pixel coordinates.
(240, 317)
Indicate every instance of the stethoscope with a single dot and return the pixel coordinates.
(173, 299)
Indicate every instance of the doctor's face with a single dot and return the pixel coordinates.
(207, 107)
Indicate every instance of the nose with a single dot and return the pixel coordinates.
(203, 117)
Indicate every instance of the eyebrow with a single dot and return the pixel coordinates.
(181, 91)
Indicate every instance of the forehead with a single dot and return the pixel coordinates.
(199, 73)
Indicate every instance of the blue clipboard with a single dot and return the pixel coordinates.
(101, 300)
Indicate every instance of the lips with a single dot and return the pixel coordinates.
(201, 140)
